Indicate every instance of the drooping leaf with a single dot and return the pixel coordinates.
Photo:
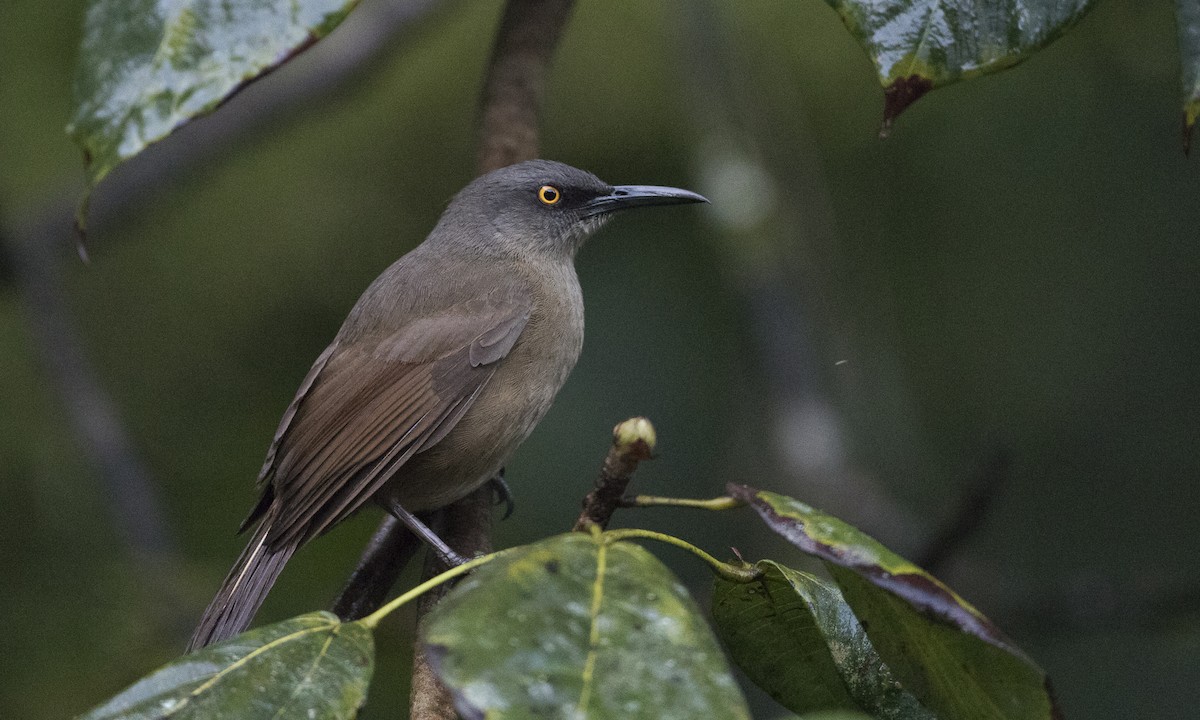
(918, 45)
(943, 650)
(148, 66)
(577, 626)
(795, 637)
(1187, 17)
(312, 666)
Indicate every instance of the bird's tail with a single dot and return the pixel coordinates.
(244, 589)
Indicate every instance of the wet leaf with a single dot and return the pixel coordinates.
(943, 650)
(795, 637)
(311, 666)
(1187, 17)
(146, 67)
(918, 45)
(576, 626)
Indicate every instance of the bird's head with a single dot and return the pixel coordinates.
(545, 208)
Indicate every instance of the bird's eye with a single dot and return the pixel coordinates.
(549, 195)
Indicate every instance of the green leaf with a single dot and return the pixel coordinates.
(312, 666)
(918, 45)
(148, 66)
(1187, 17)
(795, 637)
(943, 650)
(578, 626)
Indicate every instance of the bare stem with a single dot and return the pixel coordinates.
(509, 108)
(718, 503)
(372, 620)
(633, 441)
(741, 573)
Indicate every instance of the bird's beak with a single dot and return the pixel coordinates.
(629, 196)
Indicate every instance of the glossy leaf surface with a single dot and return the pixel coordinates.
(1187, 17)
(795, 637)
(579, 627)
(918, 45)
(148, 66)
(312, 666)
(943, 650)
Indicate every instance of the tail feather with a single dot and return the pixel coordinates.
(244, 589)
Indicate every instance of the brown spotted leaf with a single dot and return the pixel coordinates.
(943, 650)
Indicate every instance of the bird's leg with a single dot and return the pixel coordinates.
(503, 493)
(421, 530)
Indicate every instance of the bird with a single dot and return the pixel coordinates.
(442, 368)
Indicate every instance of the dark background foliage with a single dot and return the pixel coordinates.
(864, 324)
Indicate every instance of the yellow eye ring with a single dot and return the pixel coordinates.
(549, 195)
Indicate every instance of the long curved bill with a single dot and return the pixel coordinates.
(631, 196)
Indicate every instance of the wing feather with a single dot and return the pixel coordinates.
(365, 409)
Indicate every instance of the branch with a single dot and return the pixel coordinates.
(466, 527)
(94, 421)
(387, 553)
(969, 516)
(633, 441)
(516, 80)
(511, 101)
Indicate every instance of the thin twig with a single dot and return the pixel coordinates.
(633, 441)
(134, 503)
(969, 516)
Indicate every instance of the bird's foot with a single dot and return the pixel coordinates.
(503, 494)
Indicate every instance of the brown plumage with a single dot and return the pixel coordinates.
(443, 367)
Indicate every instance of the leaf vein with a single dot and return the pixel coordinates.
(589, 665)
(238, 663)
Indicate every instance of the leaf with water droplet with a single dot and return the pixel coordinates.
(146, 67)
(796, 638)
(578, 626)
(1187, 18)
(312, 664)
(950, 656)
(919, 45)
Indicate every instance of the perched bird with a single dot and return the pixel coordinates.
(443, 367)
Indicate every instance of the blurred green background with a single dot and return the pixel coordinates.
(856, 322)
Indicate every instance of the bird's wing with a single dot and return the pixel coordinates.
(368, 406)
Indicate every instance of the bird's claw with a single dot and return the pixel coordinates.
(503, 494)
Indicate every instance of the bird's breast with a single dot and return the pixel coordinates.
(510, 405)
